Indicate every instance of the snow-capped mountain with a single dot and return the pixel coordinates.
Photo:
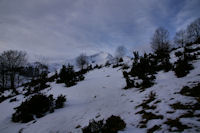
(100, 58)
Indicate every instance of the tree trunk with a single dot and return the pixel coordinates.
(12, 81)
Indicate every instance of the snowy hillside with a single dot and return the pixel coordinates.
(100, 95)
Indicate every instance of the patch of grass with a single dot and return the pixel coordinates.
(146, 116)
(179, 105)
(188, 114)
(13, 100)
(78, 126)
(154, 128)
(144, 104)
(149, 116)
(177, 124)
(170, 112)
(113, 125)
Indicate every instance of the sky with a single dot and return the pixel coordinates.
(62, 29)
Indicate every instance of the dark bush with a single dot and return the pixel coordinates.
(107, 64)
(113, 125)
(125, 66)
(147, 82)
(36, 106)
(70, 77)
(117, 65)
(129, 82)
(182, 67)
(178, 53)
(13, 100)
(193, 91)
(143, 68)
(120, 59)
(94, 127)
(190, 50)
(60, 101)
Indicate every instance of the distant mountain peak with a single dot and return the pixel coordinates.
(100, 58)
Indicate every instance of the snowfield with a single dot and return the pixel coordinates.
(101, 95)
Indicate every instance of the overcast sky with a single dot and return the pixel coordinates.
(66, 28)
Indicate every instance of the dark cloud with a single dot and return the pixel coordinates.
(65, 28)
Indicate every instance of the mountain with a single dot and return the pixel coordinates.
(170, 105)
(100, 58)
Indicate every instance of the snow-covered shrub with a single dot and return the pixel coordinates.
(113, 125)
(69, 76)
(166, 65)
(96, 66)
(182, 67)
(143, 68)
(36, 106)
(107, 64)
(13, 100)
(125, 66)
(116, 65)
(178, 53)
(59, 103)
(94, 127)
(147, 82)
(120, 59)
(191, 91)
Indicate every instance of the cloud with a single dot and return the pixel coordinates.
(66, 28)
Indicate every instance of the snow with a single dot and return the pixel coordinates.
(100, 58)
(101, 94)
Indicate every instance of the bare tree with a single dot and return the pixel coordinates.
(160, 40)
(2, 74)
(82, 61)
(120, 51)
(180, 38)
(13, 60)
(193, 30)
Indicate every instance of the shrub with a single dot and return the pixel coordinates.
(116, 65)
(38, 105)
(60, 101)
(147, 82)
(94, 127)
(125, 66)
(194, 91)
(69, 76)
(143, 69)
(120, 59)
(107, 64)
(182, 67)
(129, 82)
(13, 100)
(178, 53)
(113, 125)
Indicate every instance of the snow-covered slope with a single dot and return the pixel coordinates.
(101, 95)
(100, 58)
